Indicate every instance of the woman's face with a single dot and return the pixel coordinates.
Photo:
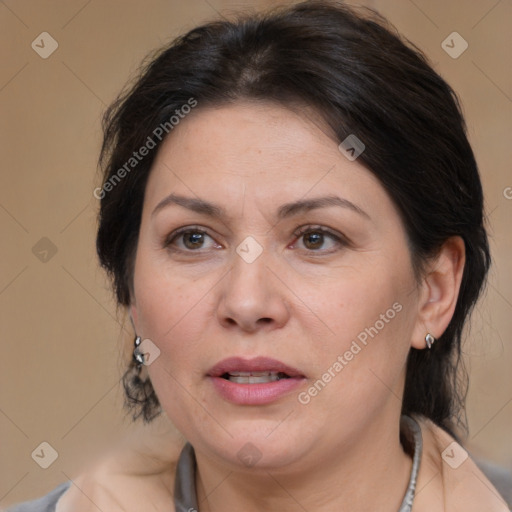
(325, 294)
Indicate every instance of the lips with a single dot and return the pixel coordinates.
(257, 381)
(258, 366)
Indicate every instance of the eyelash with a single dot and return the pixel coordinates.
(339, 239)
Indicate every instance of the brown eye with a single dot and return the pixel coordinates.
(188, 240)
(315, 238)
(193, 239)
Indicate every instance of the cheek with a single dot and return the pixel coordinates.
(357, 300)
(174, 310)
(170, 313)
(370, 315)
(161, 300)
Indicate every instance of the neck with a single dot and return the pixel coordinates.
(370, 473)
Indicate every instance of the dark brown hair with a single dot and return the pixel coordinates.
(362, 79)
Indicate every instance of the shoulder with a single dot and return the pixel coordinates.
(137, 474)
(453, 479)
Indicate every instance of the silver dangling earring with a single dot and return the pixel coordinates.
(429, 340)
(138, 357)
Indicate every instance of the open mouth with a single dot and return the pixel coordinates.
(254, 381)
(254, 377)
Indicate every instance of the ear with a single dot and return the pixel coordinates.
(133, 315)
(439, 291)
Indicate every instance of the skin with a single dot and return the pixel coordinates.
(302, 301)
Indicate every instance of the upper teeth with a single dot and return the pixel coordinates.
(254, 377)
(251, 374)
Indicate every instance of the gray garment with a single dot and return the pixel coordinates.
(45, 504)
(500, 477)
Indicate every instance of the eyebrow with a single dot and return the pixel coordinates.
(284, 211)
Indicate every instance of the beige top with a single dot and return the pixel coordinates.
(143, 479)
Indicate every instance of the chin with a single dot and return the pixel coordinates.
(253, 446)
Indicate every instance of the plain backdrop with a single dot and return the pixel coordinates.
(62, 340)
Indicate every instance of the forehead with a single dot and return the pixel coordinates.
(260, 148)
(255, 132)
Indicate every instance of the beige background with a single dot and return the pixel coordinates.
(60, 333)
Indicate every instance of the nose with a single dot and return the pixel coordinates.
(252, 297)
